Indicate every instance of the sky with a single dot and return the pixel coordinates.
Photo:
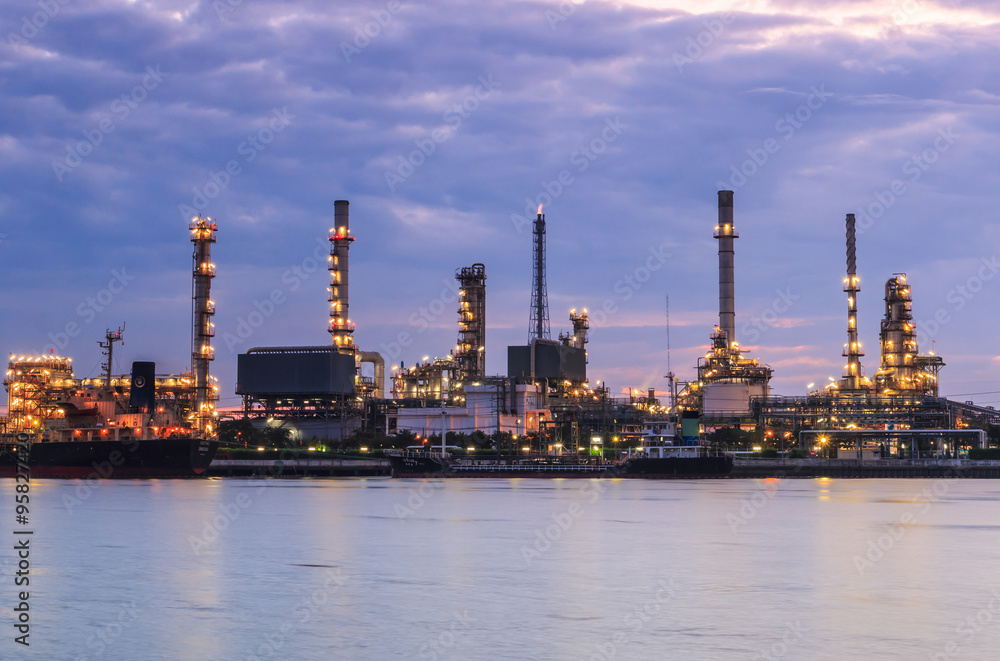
(445, 124)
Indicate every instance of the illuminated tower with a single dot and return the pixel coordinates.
(202, 329)
(341, 329)
(726, 233)
(470, 353)
(853, 351)
(538, 325)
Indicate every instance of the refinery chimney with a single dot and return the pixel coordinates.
(202, 309)
(341, 329)
(725, 232)
(853, 351)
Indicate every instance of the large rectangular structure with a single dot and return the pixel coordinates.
(295, 371)
(547, 359)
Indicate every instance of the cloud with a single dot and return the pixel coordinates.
(895, 80)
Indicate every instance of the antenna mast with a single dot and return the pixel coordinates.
(110, 337)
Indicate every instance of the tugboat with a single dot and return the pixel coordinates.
(662, 456)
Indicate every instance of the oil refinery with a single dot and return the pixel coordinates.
(545, 403)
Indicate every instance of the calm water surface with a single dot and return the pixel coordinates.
(509, 569)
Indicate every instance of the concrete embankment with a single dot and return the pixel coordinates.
(853, 468)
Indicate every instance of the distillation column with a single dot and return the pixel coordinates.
(202, 310)
(470, 352)
(726, 233)
(899, 338)
(539, 322)
(853, 350)
(341, 329)
(581, 326)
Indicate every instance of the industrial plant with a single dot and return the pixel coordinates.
(45, 399)
(546, 402)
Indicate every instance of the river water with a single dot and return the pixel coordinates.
(508, 569)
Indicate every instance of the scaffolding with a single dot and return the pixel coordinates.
(35, 385)
(430, 380)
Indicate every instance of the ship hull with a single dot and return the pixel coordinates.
(679, 467)
(155, 458)
(665, 468)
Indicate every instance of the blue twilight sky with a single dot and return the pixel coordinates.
(446, 123)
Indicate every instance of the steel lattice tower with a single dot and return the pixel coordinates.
(538, 325)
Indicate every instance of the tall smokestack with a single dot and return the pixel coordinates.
(853, 352)
(202, 309)
(726, 233)
(341, 329)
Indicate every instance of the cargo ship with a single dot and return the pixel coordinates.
(660, 456)
(135, 426)
(173, 457)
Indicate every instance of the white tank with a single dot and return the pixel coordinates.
(727, 400)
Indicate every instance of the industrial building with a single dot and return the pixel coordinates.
(330, 391)
(544, 392)
(727, 381)
(896, 413)
(316, 391)
(45, 397)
